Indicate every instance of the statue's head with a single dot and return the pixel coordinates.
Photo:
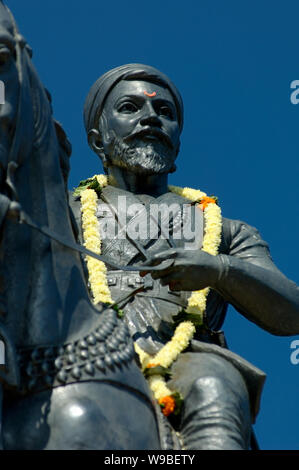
(133, 117)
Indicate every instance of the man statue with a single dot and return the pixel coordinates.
(134, 117)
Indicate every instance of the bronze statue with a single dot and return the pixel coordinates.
(71, 371)
(133, 118)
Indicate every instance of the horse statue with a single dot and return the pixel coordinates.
(70, 379)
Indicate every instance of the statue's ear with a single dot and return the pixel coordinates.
(98, 139)
(95, 141)
(96, 144)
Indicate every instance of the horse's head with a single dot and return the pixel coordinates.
(35, 146)
(26, 115)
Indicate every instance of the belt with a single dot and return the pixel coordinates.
(122, 282)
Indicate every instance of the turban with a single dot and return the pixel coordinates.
(95, 100)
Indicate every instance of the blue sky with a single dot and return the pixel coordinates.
(233, 63)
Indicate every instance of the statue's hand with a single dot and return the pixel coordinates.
(191, 270)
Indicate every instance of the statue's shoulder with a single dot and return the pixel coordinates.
(240, 237)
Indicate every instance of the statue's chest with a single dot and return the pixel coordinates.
(132, 228)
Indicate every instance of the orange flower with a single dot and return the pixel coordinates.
(167, 404)
(149, 366)
(205, 201)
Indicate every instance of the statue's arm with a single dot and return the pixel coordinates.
(243, 274)
(250, 281)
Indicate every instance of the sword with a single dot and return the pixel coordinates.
(26, 219)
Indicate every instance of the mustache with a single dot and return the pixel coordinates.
(150, 131)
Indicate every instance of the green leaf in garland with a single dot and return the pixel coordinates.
(178, 403)
(119, 311)
(197, 320)
(90, 183)
(216, 198)
(157, 370)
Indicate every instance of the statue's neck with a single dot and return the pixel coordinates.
(153, 185)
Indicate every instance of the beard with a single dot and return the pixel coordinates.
(142, 158)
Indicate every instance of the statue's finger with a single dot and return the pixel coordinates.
(170, 278)
(162, 256)
(160, 274)
(175, 286)
(161, 266)
(172, 271)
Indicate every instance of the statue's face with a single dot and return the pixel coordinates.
(10, 85)
(140, 130)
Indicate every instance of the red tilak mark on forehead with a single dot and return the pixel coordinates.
(151, 95)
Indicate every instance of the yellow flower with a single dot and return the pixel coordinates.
(188, 193)
(158, 386)
(102, 180)
(180, 340)
(91, 234)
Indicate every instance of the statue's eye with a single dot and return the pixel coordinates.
(127, 108)
(166, 111)
(5, 55)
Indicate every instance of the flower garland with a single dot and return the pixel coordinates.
(91, 234)
(196, 302)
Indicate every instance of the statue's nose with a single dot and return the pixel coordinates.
(150, 118)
